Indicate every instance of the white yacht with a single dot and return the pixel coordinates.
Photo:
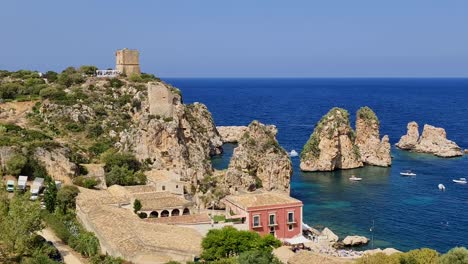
(461, 181)
(354, 178)
(407, 173)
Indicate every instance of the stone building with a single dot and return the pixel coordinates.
(127, 61)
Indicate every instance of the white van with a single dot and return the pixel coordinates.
(22, 181)
(10, 186)
(36, 188)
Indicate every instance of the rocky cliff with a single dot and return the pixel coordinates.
(231, 134)
(433, 141)
(373, 150)
(259, 161)
(332, 144)
(173, 135)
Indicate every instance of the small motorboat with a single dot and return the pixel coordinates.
(441, 187)
(461, 181)
(407, 173)
(293, 153)
(354, 178)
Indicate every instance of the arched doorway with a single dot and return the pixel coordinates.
(154, 214)
(165, 213)
(175, 212)
(186, 211)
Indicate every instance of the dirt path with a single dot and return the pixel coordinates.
(69, 256)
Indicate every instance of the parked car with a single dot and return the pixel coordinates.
(10, 186)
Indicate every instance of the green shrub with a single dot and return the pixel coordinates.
(420, 256)
(88, 69)
(258, 257)
(85, 243)
(106, 259)
(57, 225)
(120, 159)
(135, 78)
(136, 206)
(379, 258)
(15, 164)
(115, 83)
(74, 127)
(86, 182)
(66, 197)
(226, 242)
(457, 255)
(53, 93)
(124, 176)
(51, 76)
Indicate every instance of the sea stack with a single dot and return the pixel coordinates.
(373, 150)
(433, 141)
(259, 161)
(332, 144)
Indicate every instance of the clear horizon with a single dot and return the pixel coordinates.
(264, 39)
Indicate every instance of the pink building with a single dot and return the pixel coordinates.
(267, 213)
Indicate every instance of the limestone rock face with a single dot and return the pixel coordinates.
(331, 237)
(373, 150)
(332, 144)
(57, 163)
(433, 141)
(355, 240)
(231, 134)
(259, 161)
(182, 141)
(410, 140)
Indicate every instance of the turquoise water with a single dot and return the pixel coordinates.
(408, 212)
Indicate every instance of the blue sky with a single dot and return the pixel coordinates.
(242, 38)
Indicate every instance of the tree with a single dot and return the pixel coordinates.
(136, 206)
(51, 76)
(50, 195)
(112, 158)
(258, 257)
(15, 164)
(457, 255)
(66, 197)
(19, 223)
(229, 242)
(124, 176)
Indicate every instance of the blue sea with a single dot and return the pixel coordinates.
(407, 212)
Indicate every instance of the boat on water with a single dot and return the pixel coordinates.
(407, 173)
(461, 181)
(293, 153)
(441, 187)
(354, 178)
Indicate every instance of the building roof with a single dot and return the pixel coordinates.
(160, 201)
(252, 200)
(121, 230)
(162, 175)
(140, 189)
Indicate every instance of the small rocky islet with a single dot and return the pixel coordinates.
(432, 141)
(335, 145)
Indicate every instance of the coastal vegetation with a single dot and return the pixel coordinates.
(367, 114)
(458, 255)
(234, 246)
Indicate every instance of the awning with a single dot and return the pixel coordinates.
(297, 240)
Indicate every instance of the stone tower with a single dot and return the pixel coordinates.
(127, 61)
